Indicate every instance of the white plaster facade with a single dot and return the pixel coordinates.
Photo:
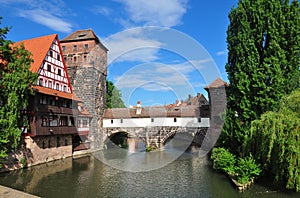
(157, 121)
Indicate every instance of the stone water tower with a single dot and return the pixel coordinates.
(86, 60)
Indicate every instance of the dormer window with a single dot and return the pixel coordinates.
(81, 35)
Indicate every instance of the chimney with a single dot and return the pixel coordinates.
(139, 108)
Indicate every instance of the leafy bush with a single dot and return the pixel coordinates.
(247, 169)
(223, 160)
(23, 162)
(148, 148)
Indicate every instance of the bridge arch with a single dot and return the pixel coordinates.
(179, 137)
(125, 134)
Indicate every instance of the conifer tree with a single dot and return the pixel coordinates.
(15, 88)
(263, 63)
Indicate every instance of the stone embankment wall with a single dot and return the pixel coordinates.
(38, 150)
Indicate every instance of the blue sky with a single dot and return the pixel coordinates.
(159, 50)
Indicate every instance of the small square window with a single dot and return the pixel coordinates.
(50, 84)
(41, 82)
(63, 48)
(49, 67)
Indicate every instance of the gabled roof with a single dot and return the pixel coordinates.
(217, 83)
(39, 48)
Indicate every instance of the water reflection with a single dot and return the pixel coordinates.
(188, 176)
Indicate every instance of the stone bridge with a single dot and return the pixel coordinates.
(157, 137)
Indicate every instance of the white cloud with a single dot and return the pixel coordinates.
(132, 45)
(165, 13)
(47, 19)
(48, 13)
(102, 10)
(157, 76)
(220, 53)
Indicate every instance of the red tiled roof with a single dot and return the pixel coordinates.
(151, 112)
(82, 111)
(39, 48)
(53, 92)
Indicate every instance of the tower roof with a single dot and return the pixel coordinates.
(39, 48)
(83, 35)
(216, 83)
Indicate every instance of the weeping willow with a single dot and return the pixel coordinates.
(274, 140)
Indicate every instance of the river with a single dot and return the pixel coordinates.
(187, 176)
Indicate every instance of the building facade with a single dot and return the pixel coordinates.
(53, 109)
(86, 60)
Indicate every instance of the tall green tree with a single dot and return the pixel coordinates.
(263, 63)
(113, 96)
(275, 140)
(15, 88)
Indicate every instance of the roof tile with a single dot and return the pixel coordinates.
(39, 48)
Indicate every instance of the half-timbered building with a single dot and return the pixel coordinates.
(53, 109)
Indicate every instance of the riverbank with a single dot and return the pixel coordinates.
(12, 193)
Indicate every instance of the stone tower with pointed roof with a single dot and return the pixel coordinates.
(217, 108)
(217, 95)
(86, 60)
